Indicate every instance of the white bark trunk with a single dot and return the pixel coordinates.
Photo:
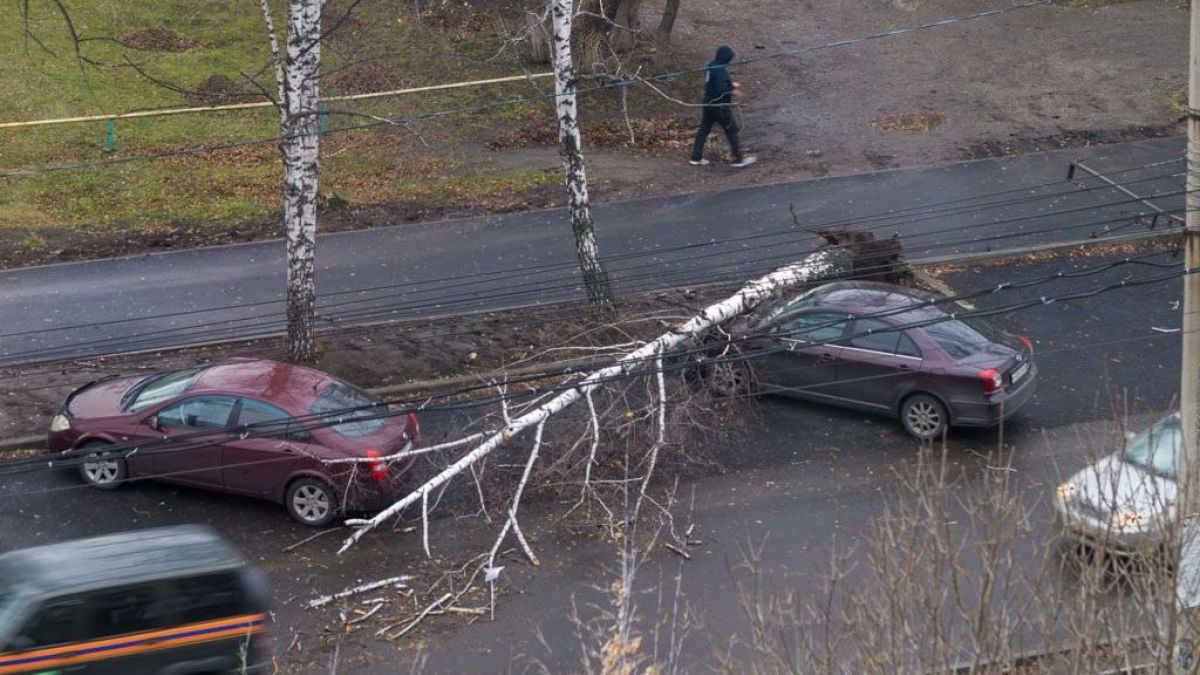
(570, 144)
(300, 148)
(811, 268)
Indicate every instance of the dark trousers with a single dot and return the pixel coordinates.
(722, 115)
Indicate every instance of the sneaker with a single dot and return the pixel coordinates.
(698, 162)
(745, 161)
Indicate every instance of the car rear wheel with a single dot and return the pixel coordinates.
(924, 417)
(311, 502)
(102, 469)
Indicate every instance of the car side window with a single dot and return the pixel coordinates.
(815, 327)
(201, 412)
(271, 420)
(130, 609)
(874, 335)
(209, 597)
(906, 347)
(58, 622)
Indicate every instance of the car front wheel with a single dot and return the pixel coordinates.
(924, 417)
(311, 502)
(101, 469)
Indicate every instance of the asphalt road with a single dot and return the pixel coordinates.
(800, 480)
(429, 269)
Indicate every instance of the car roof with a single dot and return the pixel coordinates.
(873, 296)
(281, 383)
(118, 559)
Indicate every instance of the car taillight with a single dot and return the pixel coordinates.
(991, 380)
(378, 470)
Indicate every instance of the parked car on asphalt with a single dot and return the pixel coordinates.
(1125, 502)
(244, 426)
(167, 601)
(888, 349)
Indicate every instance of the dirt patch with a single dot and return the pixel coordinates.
(219, 89)
(649, 136)
(156, 39)
(911, 122)
(1175, 101)
(365, 77)
(1068, 139)
(465, 18)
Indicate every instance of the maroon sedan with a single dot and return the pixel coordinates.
(891, 350)
(251, 427)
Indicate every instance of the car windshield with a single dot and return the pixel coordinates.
(159, 388)
(958, 338)
(1157, 448)
(339, 397)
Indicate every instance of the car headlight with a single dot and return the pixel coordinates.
(1128, 518)
(1065, 491)
(60, 423)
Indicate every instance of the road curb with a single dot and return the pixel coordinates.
(918, 267)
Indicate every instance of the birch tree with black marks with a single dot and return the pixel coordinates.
(570, 143)
(297, 78)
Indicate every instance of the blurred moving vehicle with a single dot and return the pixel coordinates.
(891, 350)
(1125, 502)
(244, 426)
(168, 601)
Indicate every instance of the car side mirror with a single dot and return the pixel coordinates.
(153, 422)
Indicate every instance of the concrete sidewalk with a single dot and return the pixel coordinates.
(171, 299)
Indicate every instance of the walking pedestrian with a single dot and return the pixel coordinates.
(720, 95)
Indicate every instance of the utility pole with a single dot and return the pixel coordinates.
(1187, 588)
(1189, 396)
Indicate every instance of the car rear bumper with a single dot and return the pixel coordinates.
(367, 494)
(997, 408)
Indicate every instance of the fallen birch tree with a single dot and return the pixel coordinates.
(646, 359)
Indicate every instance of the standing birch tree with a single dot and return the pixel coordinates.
(570, 144)
(297, 79)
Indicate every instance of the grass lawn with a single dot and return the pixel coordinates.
(204, 49)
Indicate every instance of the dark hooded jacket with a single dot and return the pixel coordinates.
(718, 88)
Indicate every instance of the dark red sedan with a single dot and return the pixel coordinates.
(251, 427)
(891, 350)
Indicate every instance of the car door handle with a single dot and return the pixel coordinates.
(904, 368)
(826, 356)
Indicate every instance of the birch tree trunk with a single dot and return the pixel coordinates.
(595, 278)
(298, 78)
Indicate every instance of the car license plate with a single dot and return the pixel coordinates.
(1019, 372)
